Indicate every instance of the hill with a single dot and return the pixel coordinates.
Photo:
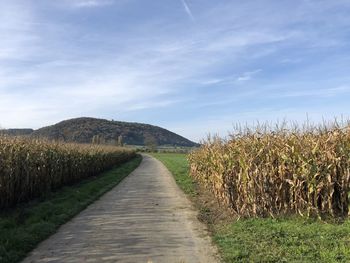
(17, 132)
(82, 130)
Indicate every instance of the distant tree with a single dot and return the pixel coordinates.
(120, 140)
(98, 139)
(65, 135)
(150, 142)
(95, 139)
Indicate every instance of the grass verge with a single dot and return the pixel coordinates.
(291, 239)
(23, 227)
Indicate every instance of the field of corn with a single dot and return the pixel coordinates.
(31, 168)
(268, 173)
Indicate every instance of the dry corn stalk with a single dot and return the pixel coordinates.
(270, 173)
(29, 168)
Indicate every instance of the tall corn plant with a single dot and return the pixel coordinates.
(278, 172)
(29, 168)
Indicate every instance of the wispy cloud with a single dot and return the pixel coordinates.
(237, 39)
(188, 10)
(90, 3)
(129, 61)
(18, 38)
(248, 75)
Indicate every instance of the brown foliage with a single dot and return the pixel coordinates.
(271, 173)
(29, 168)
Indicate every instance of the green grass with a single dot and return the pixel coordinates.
(284, 240)
(291, 239)
(23, 227)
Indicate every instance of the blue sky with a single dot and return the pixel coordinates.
(192, 66)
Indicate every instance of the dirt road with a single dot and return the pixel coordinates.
(146, 218)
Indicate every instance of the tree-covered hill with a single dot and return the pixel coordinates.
(83, 130)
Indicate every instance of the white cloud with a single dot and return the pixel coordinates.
(187, 9)
(67, 69)
(248, 75)
(232, 40)
(90, 3)
(18, 38)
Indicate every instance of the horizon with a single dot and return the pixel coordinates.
(192, 67)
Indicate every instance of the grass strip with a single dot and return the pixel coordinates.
(22, 228)
(288, 239)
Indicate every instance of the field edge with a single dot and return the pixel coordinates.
(282, 239)
(25, 226)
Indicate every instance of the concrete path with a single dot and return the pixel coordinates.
(146, 218)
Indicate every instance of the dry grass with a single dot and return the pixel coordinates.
(30, 168)
(267, 172)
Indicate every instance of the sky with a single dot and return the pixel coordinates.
(192, 66)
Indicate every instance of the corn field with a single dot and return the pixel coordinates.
(271, 173)
(30, 168)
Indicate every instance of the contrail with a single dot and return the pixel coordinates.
(188, 10)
